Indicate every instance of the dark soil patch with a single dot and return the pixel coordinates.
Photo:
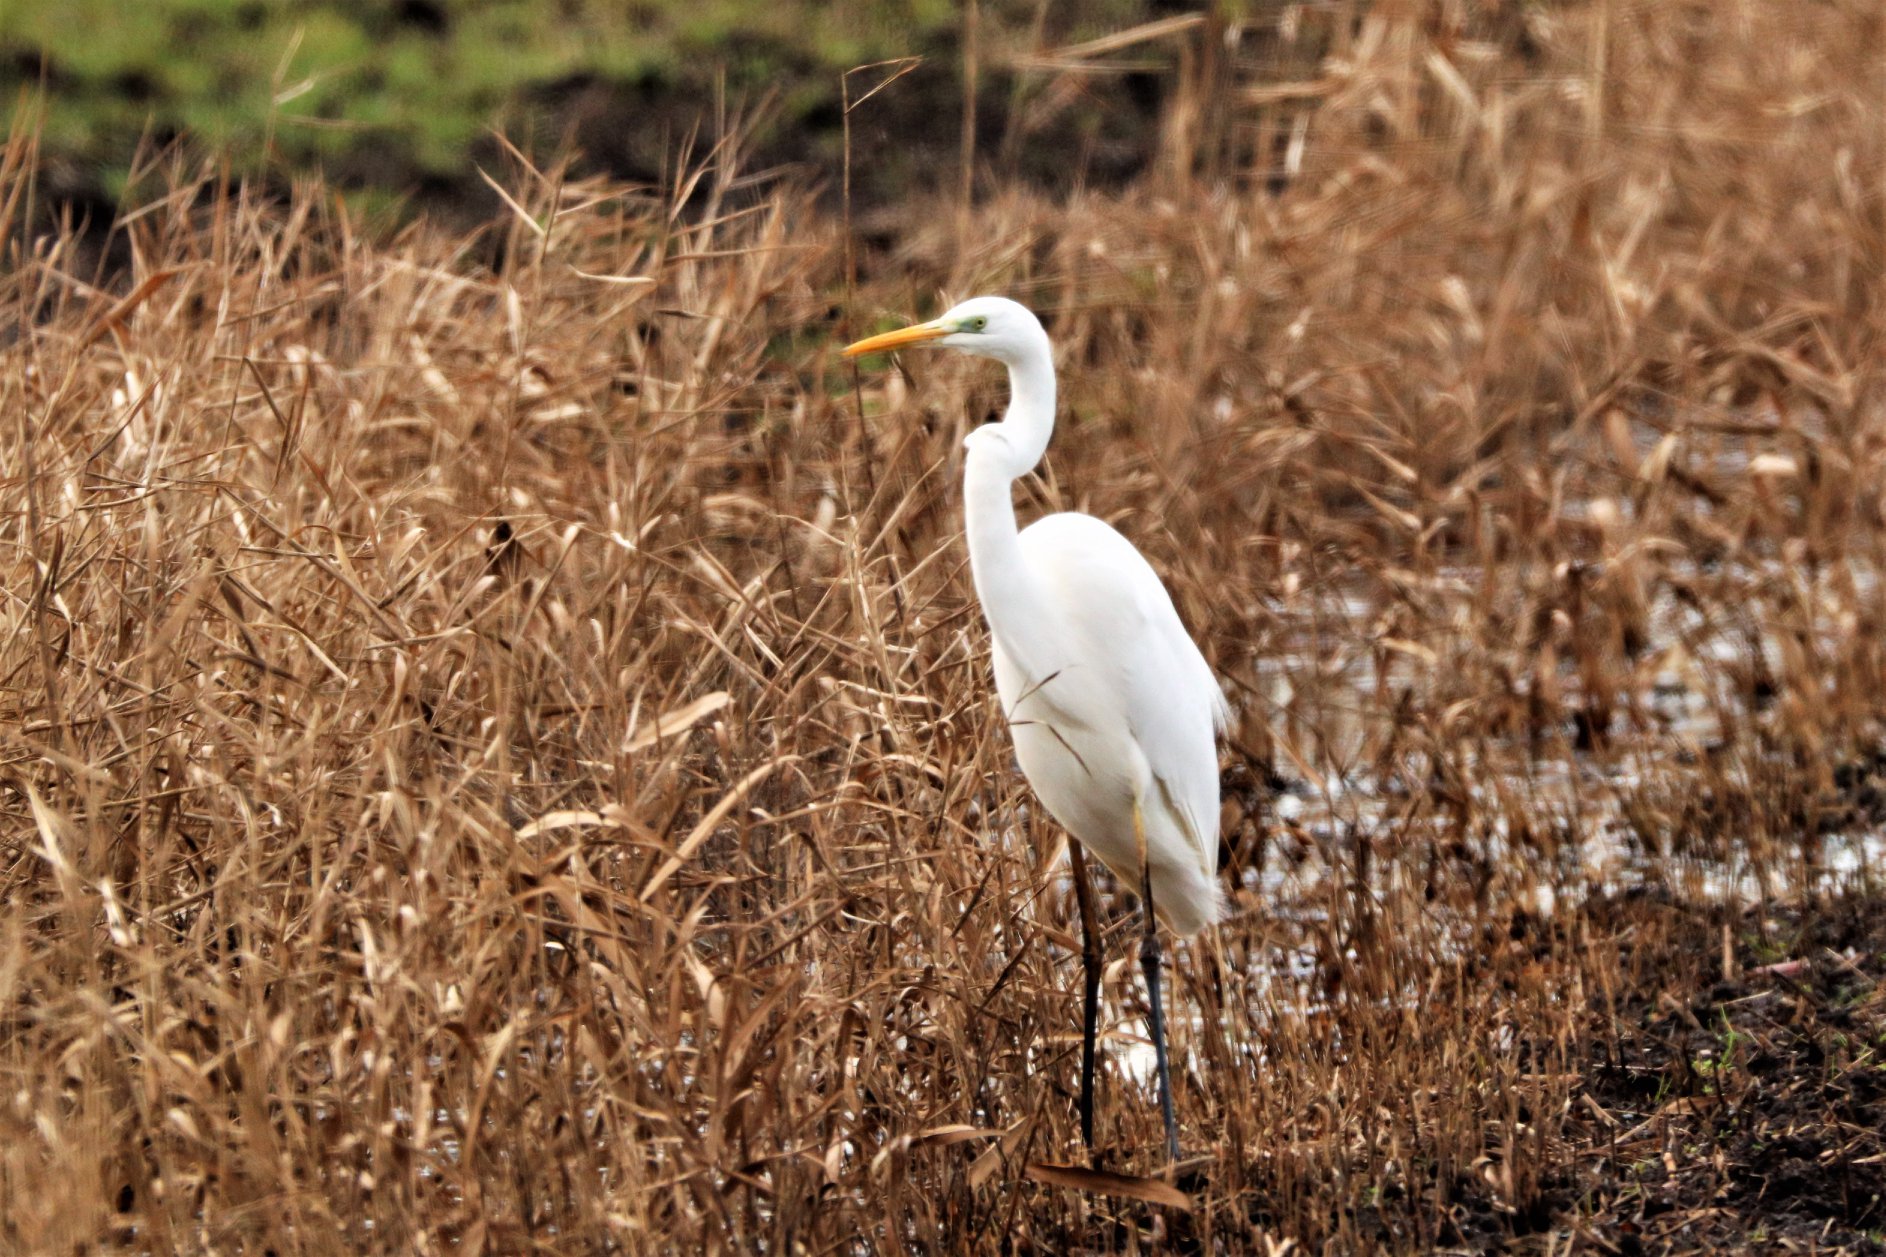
(1734, 1099)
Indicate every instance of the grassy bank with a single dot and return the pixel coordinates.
(496, 750)
(403, 99)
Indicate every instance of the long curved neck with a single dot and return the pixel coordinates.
(1009, 596)
(1029, 420)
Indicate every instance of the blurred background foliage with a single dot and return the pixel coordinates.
(404, 94)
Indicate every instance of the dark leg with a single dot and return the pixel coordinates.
(1090, 973)
(1149, 964)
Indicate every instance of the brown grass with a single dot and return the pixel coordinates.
(496, 756)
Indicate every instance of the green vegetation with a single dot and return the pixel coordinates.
(387, 94)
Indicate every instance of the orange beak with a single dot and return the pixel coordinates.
(894, 340)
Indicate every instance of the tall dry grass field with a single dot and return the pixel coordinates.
(496, 749)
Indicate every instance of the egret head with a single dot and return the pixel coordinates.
(989, 327)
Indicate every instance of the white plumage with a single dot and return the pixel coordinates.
(1121, 707)
(1113, 709)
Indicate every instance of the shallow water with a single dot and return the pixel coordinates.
(1683, 703)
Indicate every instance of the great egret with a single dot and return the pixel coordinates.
(1113, 710)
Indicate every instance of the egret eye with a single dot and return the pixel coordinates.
(977, 324)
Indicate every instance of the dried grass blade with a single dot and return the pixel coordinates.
(1101, 1183)
(953, 1133)
(550, 821)
(628, 280)
(1144, 33)
(990, 1159)
(529, 220)
(113, 318)
(680, 720)
(702, 831)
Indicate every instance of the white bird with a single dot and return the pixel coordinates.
(1113, 709)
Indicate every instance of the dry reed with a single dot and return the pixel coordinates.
(495, 746)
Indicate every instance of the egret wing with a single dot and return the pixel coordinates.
(1125, 642)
